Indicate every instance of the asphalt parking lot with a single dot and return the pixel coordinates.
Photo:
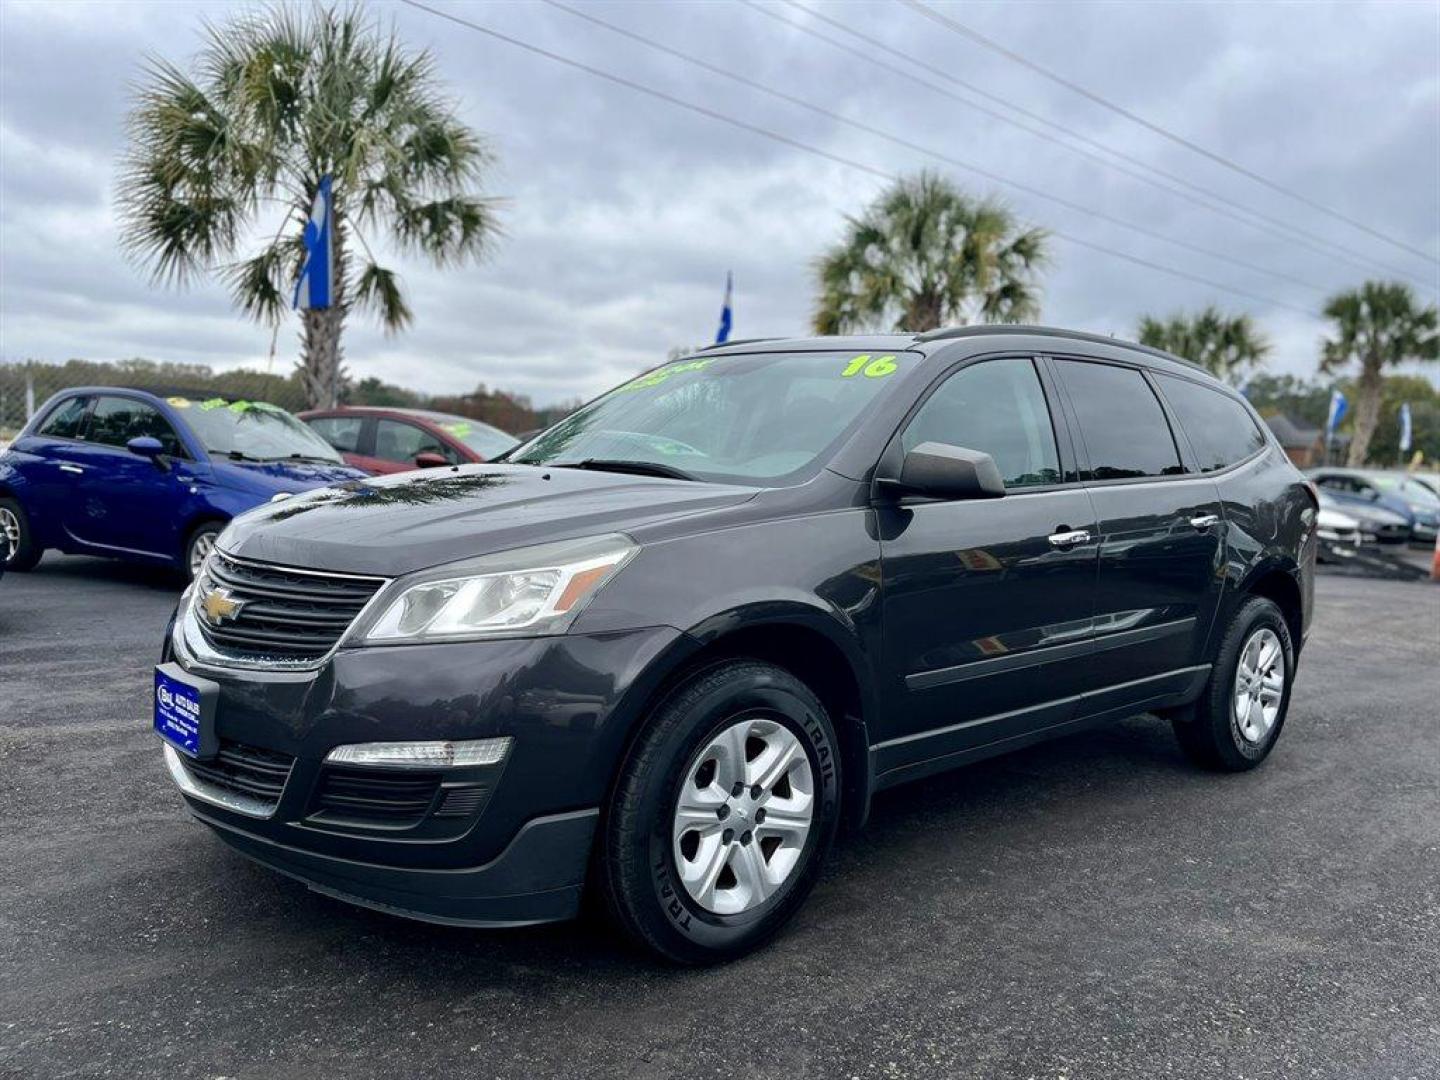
(1090, 908)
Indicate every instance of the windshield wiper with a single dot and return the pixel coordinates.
(237, 455)
(639, 468)
(305, 457)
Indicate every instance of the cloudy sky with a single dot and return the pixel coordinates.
(623, 213)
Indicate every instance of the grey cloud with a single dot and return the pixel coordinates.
(624, 213)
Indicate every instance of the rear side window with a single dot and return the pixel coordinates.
(999, 408)
(1220, 429)
(1123, 426)
(341, 432)
(64, 420)
(402, 443)
(116, 420)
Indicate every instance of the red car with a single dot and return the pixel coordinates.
(385, 440)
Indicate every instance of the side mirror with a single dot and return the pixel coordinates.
(146, 446)
(430, 461)
(950, 472)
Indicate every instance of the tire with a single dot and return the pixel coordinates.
(1218, 733)
(24, 553)
(651, 862)
(199, 544)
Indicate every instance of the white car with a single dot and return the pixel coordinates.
(1339, 534)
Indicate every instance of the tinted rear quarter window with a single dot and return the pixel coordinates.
(64, 420)
(1122, 424)
(1219, 427)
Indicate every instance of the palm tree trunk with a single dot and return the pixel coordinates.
(320, 351)
(1367, 411)
(925, 312)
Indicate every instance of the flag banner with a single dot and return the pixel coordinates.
(312, 289)
(1338, 405)
(1405, 432)
(723, 334)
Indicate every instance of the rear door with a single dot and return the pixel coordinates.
(126, 501)
(987, 602)
(1161, 534)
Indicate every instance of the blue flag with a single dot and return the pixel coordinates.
(1338, 405)
(723, 334)
(1405, 432)
(312, 288)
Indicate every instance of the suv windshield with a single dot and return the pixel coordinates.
(760, 417)
(252, 429)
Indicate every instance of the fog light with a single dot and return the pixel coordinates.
(422, 755)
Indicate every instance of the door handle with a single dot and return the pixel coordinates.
(1069, 538)
(1204, 521)
(72, 469)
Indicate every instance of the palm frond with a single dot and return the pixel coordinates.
(379, 290)
(925, 252)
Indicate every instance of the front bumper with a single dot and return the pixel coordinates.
(491, 845)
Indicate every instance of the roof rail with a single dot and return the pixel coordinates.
(945, 333)
(737, 341)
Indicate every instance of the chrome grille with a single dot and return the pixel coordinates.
(283, 612)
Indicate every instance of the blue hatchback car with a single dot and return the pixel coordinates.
(134, 475)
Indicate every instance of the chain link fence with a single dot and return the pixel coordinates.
(25, 386)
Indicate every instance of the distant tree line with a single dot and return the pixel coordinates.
(508, 411)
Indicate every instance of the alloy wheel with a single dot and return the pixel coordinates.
(745, 808)
(10, 528)
(1259, 685)
(200, 550)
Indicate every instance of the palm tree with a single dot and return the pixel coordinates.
(1226, 346)
(1381, 325)
(925, 254)
(278, 99)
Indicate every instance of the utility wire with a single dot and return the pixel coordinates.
(1220, 159)
(1198, 195)
(869, 129)
(839, 159)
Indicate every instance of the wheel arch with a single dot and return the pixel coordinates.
(807, 642)
(1277, 582)
(205, 516)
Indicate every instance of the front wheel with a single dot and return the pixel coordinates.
(1238, 718)
(199, 546)
(723, 813)
(18, 542)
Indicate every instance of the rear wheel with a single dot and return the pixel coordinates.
(1237, 720)
(15, 527)
(723, 813)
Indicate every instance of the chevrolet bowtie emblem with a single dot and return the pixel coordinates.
(218, 605)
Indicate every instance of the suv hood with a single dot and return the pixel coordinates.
(405, 522)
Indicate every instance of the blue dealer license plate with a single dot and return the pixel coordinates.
(179, 712)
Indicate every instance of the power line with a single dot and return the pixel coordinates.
(1202, 197)
(839, 159)
(1010, 54)
(936, 154)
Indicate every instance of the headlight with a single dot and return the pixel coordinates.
(521, 593)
